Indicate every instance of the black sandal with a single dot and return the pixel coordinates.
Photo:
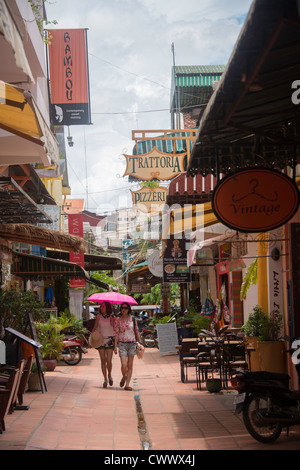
(111, 382)
(122, 383)
(105, 384)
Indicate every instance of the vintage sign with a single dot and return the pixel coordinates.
(175, 265)
(69, 83)
(255, 200)
(149, 199)
(155, 164)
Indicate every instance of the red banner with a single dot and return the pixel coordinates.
(75, 222)
(69, 84)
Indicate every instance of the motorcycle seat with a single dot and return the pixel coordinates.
(259, 375)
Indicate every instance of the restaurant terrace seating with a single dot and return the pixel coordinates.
(4, 378)
(7, 392)
(186, 357)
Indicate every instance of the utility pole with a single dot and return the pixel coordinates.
(177, 104)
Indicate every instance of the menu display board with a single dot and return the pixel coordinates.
(175, 264)
(167, 338)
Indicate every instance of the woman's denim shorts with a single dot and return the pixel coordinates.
(127, 349)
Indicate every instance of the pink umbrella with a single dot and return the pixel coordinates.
(113, 297)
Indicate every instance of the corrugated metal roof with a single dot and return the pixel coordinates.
(199, 69)
(194, 83)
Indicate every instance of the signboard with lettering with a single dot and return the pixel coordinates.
(141, 288)
(154, 165)
(76, 228)
(167, 338)
(255, 200)
(155, 263)
(69, 83)
(149, 199)
(175, 265)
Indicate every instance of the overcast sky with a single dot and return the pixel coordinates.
(130, 62)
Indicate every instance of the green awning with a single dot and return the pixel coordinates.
(167, 146)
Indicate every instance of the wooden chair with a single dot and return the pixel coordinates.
(234, 358)
(186, 358)
(4, 380)
(207, 362)
(24, 379)
(6, 397)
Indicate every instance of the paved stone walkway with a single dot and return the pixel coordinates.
(161, 413)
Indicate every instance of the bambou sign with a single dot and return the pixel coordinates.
(155, 164)
(149, 199)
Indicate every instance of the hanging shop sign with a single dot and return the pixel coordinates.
(155, 164)
(255, 200)
(155, 263)
(149, 199)
(69, 81)
(75, 222)
(175, 264)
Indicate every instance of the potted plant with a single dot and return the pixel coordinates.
(253, 329)
(272, 345)
(14, 307)
(51, 338)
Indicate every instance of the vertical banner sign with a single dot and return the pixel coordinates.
(69, 82)
(276, 283)
(75, 222)
(127, 257)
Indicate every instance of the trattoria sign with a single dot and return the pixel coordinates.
(149, 199)
(255, 200)
(155, 164)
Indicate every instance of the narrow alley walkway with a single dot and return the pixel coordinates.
(161, 413)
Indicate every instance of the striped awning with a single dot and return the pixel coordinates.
(166, 145)
(188, 219)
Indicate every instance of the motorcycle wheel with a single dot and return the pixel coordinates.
(149, 340)
(259, 430)
(76, 356)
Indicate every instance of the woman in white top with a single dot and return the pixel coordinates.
(105, 324)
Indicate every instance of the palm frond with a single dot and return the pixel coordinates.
(249, 279)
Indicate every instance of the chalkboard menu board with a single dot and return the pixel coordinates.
(167, 338)
(38, 356)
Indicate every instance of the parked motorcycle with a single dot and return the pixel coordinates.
(267, 403)
(142, 322)
(149, 337)
(72, 351)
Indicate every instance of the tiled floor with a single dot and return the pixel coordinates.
(77, 413)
